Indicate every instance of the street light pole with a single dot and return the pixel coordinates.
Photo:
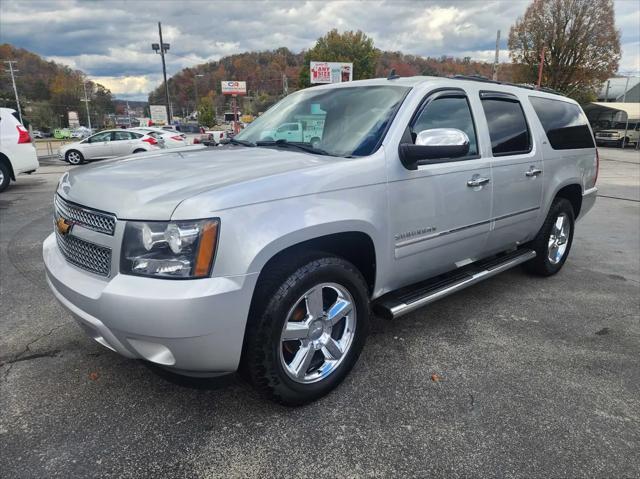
(195, 85)
(162, 48)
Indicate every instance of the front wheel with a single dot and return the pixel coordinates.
(307, 332)
(74, 157)
(553, 242)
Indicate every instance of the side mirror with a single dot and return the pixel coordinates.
(434, 144)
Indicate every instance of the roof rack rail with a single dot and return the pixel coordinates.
(528, 86)
(474, 78)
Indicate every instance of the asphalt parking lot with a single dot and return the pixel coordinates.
(538, 377)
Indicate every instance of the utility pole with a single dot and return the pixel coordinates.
(163, 48)
(624, 95)
(285, 84)
(606, 93)
(495, 62)
(13, 80)
(544, 47)
(86, 103)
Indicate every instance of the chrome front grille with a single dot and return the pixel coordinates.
(91, 219)
(85, 255)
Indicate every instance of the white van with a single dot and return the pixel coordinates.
(17, 152)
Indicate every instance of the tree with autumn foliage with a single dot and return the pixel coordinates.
(349, 47)
(582, 45)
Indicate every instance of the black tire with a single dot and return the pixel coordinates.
(541, 265)
(278, 291)
(74, 157)
(139, 150)
(315, 142)
(5, 177)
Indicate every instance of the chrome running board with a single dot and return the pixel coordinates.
(408, 299)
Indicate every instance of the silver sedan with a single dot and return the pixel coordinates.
(109, 144)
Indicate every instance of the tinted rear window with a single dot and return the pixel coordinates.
(508, 128)
(565, 125)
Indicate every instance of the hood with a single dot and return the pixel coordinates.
(150, 186)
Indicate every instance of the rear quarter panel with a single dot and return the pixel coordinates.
(561, 167)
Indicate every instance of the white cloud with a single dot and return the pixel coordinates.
(131, 85)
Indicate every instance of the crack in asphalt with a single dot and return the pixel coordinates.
(21, 355)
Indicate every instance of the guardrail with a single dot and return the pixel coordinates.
(48, 148)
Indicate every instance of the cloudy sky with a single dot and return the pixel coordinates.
(110, 40)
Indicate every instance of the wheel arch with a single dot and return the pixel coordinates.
(573, 193)
(355, 245)
(4, 159)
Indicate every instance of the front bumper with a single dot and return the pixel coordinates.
(194, 327)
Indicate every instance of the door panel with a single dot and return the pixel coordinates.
(517, 171)
(437, 222)
(99, 147)
(122, 143)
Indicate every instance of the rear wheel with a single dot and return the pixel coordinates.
(5, 177)
(74, 157)
(553, 242)
(306, 332)
(315, 142)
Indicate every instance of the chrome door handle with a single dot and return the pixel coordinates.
(533, 172)
(477, 181)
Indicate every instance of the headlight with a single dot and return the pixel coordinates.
(175, 249)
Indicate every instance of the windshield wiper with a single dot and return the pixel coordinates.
(300, 146)
(241, 142)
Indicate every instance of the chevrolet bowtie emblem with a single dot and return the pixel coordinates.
(63, 226)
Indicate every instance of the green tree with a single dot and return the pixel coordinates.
(582, 45)
(206, 116)
(353, 47)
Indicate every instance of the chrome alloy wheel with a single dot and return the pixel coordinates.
(318, 333)
(1, 176)
(74, 158)
(558, 238)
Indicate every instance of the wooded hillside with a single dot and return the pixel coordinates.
(48, 90)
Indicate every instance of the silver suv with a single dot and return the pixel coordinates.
(267, 255)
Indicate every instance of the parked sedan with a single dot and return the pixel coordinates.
(109, 144)
(172, 139)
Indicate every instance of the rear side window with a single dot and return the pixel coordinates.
(508, 128)
(122, 135)
(565, 125)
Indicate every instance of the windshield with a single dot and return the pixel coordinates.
(337, 121)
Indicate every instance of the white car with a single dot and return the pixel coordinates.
(172, 139)
(17, 153)
(109, 144)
